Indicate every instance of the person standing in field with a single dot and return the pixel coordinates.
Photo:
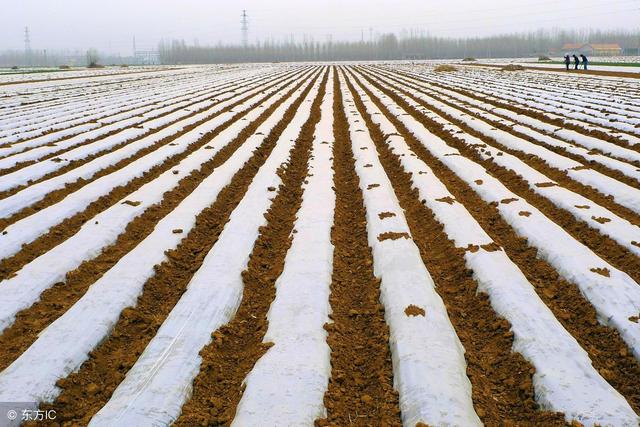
(585, 61)
(567, 61)
(576, 61)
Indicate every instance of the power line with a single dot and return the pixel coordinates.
(462, 17)
(461, 29)
(521, 20)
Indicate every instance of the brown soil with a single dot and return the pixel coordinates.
(445, 68)
(71, 225)
(413, 310)
(60, 153)
(512, 67)
(238, 345)
(390, 235)
(603, 246)
(609, 137)
(585, 164)
(56, 300)
(361, 390)
(607, 350)
(501, 380)
(361, 386)
(88, 77)
(214, 90)
(50, 198)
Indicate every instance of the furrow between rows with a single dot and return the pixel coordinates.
(611, 236)
(614, 295)
(109, 236)
(361, 389)
(99, 194)
(167, 335)
(575, 388)
(66, 343)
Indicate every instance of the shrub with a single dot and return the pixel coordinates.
(64, 67)
(15, 67)
(469, 59)
(445, 68)
(512, 67)
(544, 58)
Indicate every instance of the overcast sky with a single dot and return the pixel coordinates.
(110, 25)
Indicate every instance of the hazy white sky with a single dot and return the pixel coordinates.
(109, 25)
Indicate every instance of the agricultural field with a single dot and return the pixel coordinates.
(300, 244)
(39, 74)
(609, 64)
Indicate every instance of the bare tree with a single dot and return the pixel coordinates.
(92, 58)
(414, 45)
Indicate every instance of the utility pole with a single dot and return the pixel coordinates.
(245, 29)
(27, 46)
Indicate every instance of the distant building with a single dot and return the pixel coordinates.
(572, 48)
(631, 49)
(414, 56)
(147, 57)
(593, 49)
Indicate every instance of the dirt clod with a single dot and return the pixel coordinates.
(448, 200)
(600, 219)
(390, 235)
(384, 215)
(602, 271)
(413, 310)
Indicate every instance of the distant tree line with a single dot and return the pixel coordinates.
(45, 58)
(389, 46)
(414, 45)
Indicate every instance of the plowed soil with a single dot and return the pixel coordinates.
(361, 386)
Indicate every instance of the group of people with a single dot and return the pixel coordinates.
(576, 61)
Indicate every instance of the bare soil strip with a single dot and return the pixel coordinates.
(23, 164)
(361, 387)
(501, 380)
(59, 124)
(56, 300)
(56, 98)
(609, 137)
(609, 353)
(604, 246)
(238, 345)
(124, 162)
(599, 134)
(88, 77)
(615, 174)
(71, 225)
(109, 363)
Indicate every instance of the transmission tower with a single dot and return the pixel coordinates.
(245, 29)
(27, 46)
